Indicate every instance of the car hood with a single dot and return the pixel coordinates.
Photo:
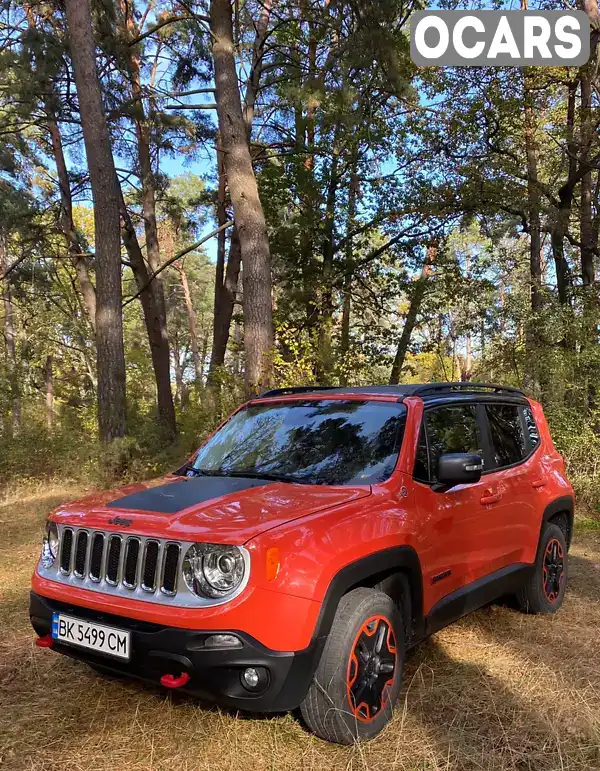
(213, 509)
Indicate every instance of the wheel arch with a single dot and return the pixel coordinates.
(561, 508)
(396, 571)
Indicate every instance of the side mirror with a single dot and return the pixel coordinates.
(459, 468)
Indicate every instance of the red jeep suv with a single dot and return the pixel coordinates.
(317, 534)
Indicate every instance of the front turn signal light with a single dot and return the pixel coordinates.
(272, 563)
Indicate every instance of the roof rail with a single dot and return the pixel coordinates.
(434, 388)
(294, 390)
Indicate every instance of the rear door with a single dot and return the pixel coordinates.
(512, 481)
(455, 533)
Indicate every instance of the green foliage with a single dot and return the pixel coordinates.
(364, 165)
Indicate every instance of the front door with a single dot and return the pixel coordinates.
(456, 525)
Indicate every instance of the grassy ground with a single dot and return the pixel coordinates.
(498, 690)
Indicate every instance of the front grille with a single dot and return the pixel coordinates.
(116, 563)
(80, 553)
(96, 557)
(113, 559)
(150, 565)
(65, 550)
(131, 563)
(170, 568)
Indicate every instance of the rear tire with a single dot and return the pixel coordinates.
(356, 685)
(544, 591)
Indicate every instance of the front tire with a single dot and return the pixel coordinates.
(358, 679)
(544, 591)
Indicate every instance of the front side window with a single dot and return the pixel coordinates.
(508, 438)
(449, 429)
(328, 441)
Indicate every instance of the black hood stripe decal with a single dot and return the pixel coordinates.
(174, 497)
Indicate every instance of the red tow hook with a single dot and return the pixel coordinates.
(44, 642)
(170, 681)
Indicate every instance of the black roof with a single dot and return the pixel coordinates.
(423, 390)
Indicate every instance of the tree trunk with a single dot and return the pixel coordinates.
(226, 303)
(79, 257)
(565, 196)
(142, 132)
(305, 147)
(218, 350)
(349, 269)
(418, 293)
(191, 315)
(159, 347)
(586, 217)
(326, 321)
(226, 279)
(253, 82)
(10, 339)
(78, 253)
(533, 194)
(345, 334)
(157, 331)
(466, 367)
(248, 211)
(533, 190)
(48, 379)
(181, 389)
(307, 196)
(103, 180)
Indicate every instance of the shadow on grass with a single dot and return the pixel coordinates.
(476, 720)
(584, 577)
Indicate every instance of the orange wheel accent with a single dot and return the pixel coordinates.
(553, 572)
(371, 668)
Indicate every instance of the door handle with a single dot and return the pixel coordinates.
(537, 483)
(490, 497)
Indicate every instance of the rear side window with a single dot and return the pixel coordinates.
(531, 428)
(447, 429)
(508, 437)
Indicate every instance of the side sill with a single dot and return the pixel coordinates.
(475, 595)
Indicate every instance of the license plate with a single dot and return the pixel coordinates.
(95, 637)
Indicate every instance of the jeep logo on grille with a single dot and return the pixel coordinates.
(120, 521)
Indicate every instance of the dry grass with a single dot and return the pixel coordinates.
(497, 691)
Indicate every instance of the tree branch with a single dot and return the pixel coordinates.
(176, 257)
(164, 23)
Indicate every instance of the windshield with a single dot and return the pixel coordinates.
(331, 442)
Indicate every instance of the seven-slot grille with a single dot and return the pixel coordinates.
(120, 560)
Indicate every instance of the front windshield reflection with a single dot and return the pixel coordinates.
(323, 442)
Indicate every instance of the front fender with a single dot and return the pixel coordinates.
(323, 556)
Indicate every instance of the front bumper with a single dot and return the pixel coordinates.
(215, 674)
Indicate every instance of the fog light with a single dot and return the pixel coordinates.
(251, 677)
(222, 641)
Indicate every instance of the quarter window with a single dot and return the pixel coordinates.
(508, 438)
(531, 428)
(449, 429)
(421, 470)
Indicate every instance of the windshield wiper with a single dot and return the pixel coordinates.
(189, 468)
(251, 474)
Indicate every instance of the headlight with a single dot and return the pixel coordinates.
(212, 570)
(50, 545)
